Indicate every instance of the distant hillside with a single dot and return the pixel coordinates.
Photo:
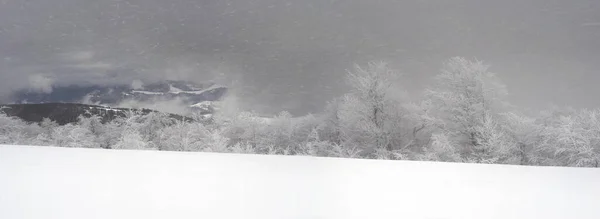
(64, 113)
(196, 96)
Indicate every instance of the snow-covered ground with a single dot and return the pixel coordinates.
(69, 183)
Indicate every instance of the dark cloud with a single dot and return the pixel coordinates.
(291, 55)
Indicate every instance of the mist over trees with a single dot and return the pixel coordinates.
(463, 117)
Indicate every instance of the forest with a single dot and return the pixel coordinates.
(464, 116)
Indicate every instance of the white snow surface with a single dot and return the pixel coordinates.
(75, 183)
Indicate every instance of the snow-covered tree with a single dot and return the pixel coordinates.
(329, 128)
(113, 131)
(526, 134)
(422, 123)
(42, 139)
(441, 149)
(80, 137)
(11, 130)
(72, 135)
(573, 140)
(216, 142)
(183, 136)
(468, 98)
(131, 139)
(372, 115)
(303, 130)
(47, 126)
(150, 124)
(244, 128)
(98, 130)
(493, 143)
(279, 132)
(242, 148)
(315, 146)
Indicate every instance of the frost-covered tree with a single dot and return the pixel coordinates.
(369, 101)
(441, 149)
(242, 148)
(372, 115)
(279, 133)
(81, 137)
(11, 130)
(526, 135)
(329, 128)
(493, 143)
(216, 142)
(268, 135)
(315, 146)
(99, 131)
(468, 98)
(183, 136)
(42, 139)
(423, 123)
(72, 135)
(149, 124)
(131, 139)
(244, 128)
(113, 131)
(47, 126)
(573, 140)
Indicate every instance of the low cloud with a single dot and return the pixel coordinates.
(137, 84)
(41, 83)
(176, 106)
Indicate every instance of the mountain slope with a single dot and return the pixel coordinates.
(69, 183)
(187, 92)
(64, 113)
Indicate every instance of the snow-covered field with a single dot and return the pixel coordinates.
(68, 183)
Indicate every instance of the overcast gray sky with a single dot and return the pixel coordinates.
(292, 55)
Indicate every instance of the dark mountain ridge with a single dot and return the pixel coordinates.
(65, 113)
(191, 94)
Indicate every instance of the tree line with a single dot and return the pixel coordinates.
(463, 117)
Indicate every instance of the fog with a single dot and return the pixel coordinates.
(293, 55)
